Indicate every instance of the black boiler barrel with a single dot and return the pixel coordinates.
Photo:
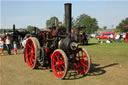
(68, 10)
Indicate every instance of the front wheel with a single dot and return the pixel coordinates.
(82, 61)
(59, 63)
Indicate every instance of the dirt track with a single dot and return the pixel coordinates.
(13, 71)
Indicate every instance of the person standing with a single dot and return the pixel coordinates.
(24, 45)
(8, 44)
(117, 38)
(124, 35)
(2, 46)
(120, 37)
(15, 47)
(111, 36)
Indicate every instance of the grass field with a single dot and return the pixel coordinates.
(109, 67)
(108, 52)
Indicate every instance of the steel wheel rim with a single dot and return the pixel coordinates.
(81, 63)
(58, 64)
(30, 53)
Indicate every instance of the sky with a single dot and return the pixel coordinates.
(35, 12)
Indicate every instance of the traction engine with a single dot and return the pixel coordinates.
(58, 49)
(126, 38)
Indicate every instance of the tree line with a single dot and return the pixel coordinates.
(89, 25)
(122, 24)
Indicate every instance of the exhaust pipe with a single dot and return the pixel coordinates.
(68, 15)
(14, 33)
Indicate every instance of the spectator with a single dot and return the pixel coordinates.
(2, 46)
(24, 44)
(111, 36)
(8, 44)
(15, 47)
(124, 35)
(117, 38)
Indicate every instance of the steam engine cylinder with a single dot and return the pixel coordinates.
(68, 45)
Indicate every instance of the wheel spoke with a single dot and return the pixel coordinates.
(84, 56)
(60, 71)
(62, 59)
(85, 65)
(33, 55)
(28, 54)
(63, 67)
(80, 66)
(62, 62)
(54, 60)
(85, 61)
(56, 68)
(30, 60)
(57, 58)
(29, 46)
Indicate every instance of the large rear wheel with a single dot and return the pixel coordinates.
(82, 61)
(32, 52)
(59, 63)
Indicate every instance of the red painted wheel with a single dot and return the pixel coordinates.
(32, 52)
(59, 63)
(126, 38)
(82, 61)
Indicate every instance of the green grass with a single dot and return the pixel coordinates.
(108, 52)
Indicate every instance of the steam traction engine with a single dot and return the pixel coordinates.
(57, 48)
(126, 38)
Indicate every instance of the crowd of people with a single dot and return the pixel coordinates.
(8, 44)
(116, 38)
(119, 36)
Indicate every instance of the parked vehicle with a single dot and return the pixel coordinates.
(92, 35)
(105, 35)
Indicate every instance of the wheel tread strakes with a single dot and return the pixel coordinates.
(59, 63)
(32, 52)
(82, 61)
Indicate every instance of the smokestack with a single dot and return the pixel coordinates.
(68, 9)
(14, 32)
(14, 28)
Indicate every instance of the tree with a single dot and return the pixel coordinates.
(73, 21)
(52, 21)
(117, 30)
(122, 24)
(90, 24)
(32, 29)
